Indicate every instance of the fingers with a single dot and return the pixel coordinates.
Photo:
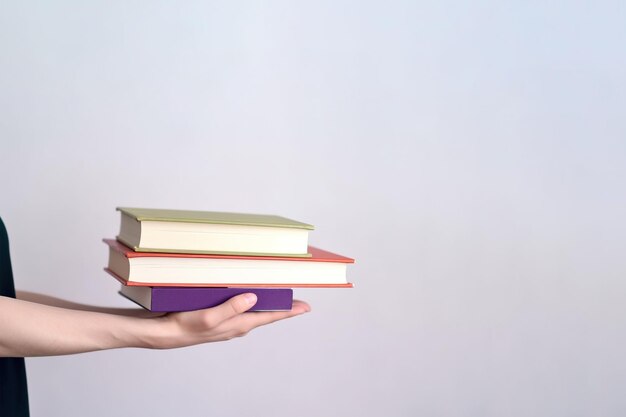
(236, 305)
(300, 306)
(247, 322)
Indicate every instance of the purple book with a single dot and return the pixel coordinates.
(167, 299)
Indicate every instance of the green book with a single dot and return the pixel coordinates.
(212, 232)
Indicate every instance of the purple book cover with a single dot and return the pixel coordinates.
(168, 299)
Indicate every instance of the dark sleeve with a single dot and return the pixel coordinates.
(13, 390)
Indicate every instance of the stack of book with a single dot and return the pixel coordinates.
(181, 260)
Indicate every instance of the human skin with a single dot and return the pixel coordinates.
(39, 325)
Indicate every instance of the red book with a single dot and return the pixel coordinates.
(322, 269)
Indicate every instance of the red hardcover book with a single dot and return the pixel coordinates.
(322, 269)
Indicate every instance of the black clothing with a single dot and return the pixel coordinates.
(13, 390)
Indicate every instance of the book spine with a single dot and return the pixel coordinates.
(170, 299)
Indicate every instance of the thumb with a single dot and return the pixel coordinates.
(234, 306)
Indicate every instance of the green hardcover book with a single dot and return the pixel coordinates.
(212, 232)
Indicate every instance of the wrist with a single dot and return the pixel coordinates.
(156, 333)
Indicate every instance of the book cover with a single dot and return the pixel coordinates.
(322, 269)
(215, 217)
(171, 299)
(187, 231)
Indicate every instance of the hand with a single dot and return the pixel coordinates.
(220, 323)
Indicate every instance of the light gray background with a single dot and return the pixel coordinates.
(470, 156)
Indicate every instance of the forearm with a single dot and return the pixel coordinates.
(31, 329)
(59, 302)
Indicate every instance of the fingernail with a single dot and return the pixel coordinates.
(250, 298)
